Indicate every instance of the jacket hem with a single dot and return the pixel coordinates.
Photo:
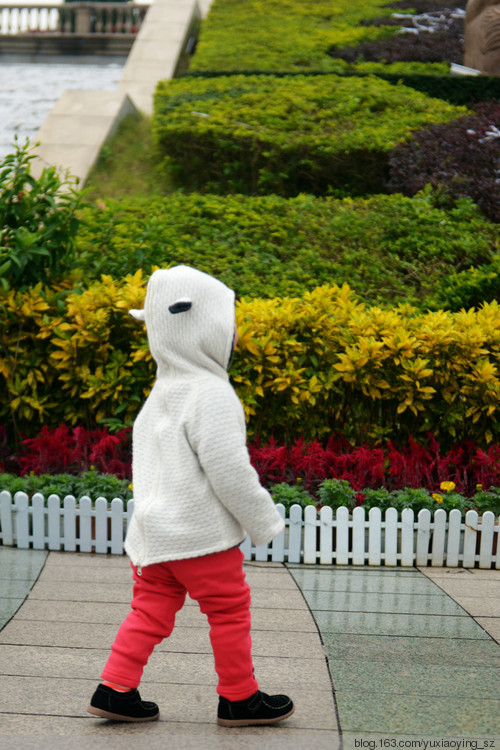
(143, 563)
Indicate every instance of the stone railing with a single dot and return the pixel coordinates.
(72, 18)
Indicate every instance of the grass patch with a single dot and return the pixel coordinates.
(129, 164)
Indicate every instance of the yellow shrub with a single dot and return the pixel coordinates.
(326, 362)
(307, 366)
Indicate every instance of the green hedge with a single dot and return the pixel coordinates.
(87, 484)
(385, 247)
(264, 134)
(278, 35)
(459, 90)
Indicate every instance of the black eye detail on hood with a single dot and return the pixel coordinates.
(180, 306)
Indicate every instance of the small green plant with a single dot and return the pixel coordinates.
(289, 495)
(485, 500)
(380, 498)
(38, 221)
(90, 483)
(416, 499)
(336, 493)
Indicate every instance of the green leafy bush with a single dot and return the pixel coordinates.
(336, 493)
(277, 35)
(89, 483)
(460, 90)
(38, 221)
(289, 495)
(385, 247)
(471, 287)
(265, 134)
(341, 493)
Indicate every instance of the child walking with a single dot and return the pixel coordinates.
(196, 496)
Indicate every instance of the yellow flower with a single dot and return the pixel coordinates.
(479, 486)
(447, 486)
(437, 498)
(131, 486)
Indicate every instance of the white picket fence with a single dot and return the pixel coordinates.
(310, 536)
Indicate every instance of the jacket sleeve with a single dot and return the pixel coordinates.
(217, 435)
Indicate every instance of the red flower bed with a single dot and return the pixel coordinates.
(373, 467)
(72, 451)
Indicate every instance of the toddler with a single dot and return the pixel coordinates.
(196, 496)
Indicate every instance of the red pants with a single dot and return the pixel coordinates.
(217, 583)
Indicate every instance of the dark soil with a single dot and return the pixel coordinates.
(444, 44)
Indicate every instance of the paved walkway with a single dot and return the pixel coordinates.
(405, 660)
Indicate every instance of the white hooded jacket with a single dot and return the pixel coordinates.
(195, 490)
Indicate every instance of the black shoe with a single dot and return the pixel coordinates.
(258, 709)
(111, 704)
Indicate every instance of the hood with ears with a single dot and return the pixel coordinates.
(189, 318)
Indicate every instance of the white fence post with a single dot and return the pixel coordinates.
(454, 533)
(486, 546)
(278, 544)
(310, 534)
(342, 546)
(407, 537)
(117, 522)
(374, 536)
(358, 536)
(326, 535)
(54, 522)
(101, 525)
(6, 518)
(85, 524)
(423, 536)
(22, 520)
(391, 536)
(438, 539)
(69, 512)
(38, 520)
(295, 534)
(470, 537)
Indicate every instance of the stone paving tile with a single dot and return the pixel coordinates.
(19, 570)
(179, 702)
(469, 587)
(409, 678)
(121, 573)
(8, 608)
(374, 623)
(392, 713)
(491, 625)
(358, 581)
(186, 668)
(410, 649)
(117, 592)
(394, 602)
(21, 565)
(461, 573)
(396, 672)
(189, 616)
(479, 606)
(194, 639)
(61, 733)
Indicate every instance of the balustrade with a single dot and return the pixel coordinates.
(72, 18)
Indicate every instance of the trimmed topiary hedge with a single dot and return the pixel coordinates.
(283, 35)
(263, 134)
(386, 248)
